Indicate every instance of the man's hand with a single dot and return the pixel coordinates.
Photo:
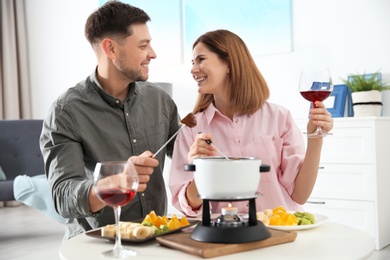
(144, 164)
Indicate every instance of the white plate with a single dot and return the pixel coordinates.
(320, 220)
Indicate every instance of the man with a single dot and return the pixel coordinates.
(114, 114)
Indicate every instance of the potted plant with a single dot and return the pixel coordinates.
(366, 94)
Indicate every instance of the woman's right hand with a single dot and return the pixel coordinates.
(200, 147)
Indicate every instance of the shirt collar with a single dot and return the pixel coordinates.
(212, 112)
(108, 98)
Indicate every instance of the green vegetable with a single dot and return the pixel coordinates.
(157, 231)
(164, 228)
(310, 217)
(298, 214)
(305, 221)
(149, 224)
(304, 218)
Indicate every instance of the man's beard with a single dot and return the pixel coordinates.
(131, 74)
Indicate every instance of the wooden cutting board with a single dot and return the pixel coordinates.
(183, 242)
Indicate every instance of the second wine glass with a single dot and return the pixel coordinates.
(315, 84)
(116, 184)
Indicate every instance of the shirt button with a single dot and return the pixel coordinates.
(117, 101)
(143, 194)
(237, 120)
(127, 114)
(134, 140)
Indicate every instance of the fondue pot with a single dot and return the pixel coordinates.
(228, 179)
(223, 178)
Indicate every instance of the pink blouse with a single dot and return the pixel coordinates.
(270, 134)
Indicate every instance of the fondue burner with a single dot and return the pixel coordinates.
(229, 227)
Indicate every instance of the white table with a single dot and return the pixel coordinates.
(329, 241)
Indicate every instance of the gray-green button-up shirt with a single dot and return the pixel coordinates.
(86, 125)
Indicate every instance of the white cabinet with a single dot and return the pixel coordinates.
(353, 183)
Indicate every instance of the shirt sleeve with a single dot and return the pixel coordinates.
(64, 165)
(292, 155)
(179, 179)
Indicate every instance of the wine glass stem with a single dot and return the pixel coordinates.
(319, 128)
(118, 241)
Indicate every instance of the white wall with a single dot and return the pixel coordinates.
(348, 36)
(59, 54)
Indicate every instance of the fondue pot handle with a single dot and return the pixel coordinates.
(265, 168)
(192, 168)
(189, 167)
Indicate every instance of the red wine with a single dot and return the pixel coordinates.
(315, 95)
(116, 198)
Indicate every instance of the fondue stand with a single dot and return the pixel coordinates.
(229, 227)
(210, 173)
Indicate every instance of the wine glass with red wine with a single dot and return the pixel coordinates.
(315, 84)
(116, 184)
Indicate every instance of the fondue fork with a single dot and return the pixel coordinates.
(170, 139)
(211, 143)
(189, 120)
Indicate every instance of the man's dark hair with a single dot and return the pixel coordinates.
(113, 19)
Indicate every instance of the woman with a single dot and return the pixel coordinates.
(232, 110)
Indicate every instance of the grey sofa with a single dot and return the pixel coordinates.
(19, 152)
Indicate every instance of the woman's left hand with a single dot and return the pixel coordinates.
(319, 116)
